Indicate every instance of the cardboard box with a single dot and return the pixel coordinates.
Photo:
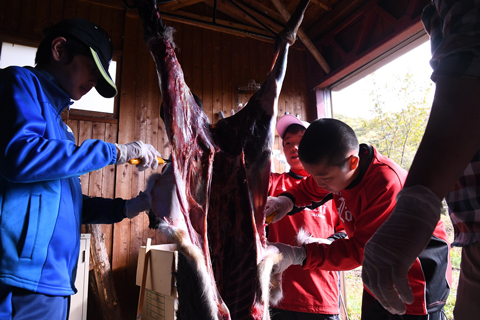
(160, 299)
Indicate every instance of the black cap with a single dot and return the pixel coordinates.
(100, 46)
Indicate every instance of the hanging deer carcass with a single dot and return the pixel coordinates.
(210, 199)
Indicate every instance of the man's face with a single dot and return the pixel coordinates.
(290, 149)
(332, 178)
(78, 77)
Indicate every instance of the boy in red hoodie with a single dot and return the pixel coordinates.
(364, 185)
(313, 293)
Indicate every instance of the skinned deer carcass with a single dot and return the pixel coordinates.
(210, 199)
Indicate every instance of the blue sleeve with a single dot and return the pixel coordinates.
(33, 144)
(102, 210)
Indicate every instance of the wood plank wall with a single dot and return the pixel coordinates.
(215, 65)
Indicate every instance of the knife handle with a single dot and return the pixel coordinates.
(138, 161)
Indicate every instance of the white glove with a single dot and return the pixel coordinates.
(303, 237)
(138, 150)
(136, 205)
(278, 207)
(291, 256)
(394, 247)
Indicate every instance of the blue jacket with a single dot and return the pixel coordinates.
(40, 193)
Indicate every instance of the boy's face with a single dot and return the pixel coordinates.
(290, 149)
(79, 77)
(76, 78)
(333, 178)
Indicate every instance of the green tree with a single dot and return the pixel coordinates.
(396, 134)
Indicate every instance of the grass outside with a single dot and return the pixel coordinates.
(354, 286)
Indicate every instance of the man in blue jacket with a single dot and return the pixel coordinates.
(41, 202)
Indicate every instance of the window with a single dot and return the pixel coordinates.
(17, 55)
(358, 100)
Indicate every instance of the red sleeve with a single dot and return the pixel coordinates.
(370, 211)
(305, 192)
(340, 227)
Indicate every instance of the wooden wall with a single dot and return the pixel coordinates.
(215, 65)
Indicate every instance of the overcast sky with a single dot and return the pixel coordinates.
(355, 100)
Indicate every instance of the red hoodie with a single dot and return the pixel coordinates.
(312, 290)
(363, 206)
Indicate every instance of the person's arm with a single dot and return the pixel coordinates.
(106, 211)
(347, 254)
(449, 143)
(27, 155)
(306, 194)
(339, 228)
(337, 236)
(98, 210)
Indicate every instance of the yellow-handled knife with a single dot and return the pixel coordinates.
(138, 161)
(269, 219)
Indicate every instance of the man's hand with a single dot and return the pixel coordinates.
(278, 207)
(138, 150)
(395, 246)
(136, 205)
(291, 256)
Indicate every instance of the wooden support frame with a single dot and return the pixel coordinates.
(303, 37)
(323, 4)
(374, 32)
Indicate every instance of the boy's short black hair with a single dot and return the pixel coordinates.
(327, 141)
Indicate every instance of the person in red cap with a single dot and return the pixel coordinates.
(42, 206)
(364, 185)
(307, 294)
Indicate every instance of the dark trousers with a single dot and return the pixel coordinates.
(20, 304)
(373, 310)
(279, 314)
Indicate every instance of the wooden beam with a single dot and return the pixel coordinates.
(303, 37)
(225, 26)
(386, 15)
(266, 10)
(377, 52)
(337, 16)
(116, 4)
(229, 9)
(221, 26)
(178, 4)
(322, 4)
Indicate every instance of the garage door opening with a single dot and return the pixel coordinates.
(389, 108)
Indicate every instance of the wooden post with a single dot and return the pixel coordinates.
(102, 284)
(343, 297)
(144, 279)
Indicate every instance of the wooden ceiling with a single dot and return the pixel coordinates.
(337, 33)
(257, 18)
